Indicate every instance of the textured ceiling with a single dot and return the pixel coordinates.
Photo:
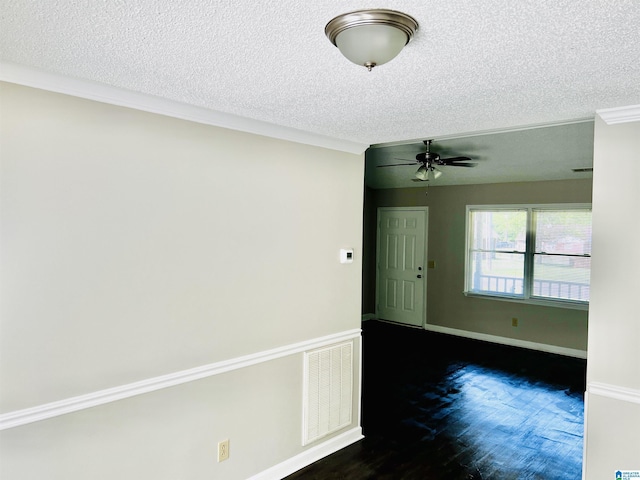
(476, 65)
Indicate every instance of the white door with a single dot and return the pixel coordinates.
(401, 276)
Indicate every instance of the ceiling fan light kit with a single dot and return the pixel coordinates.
(422, 173)
(426, 173)
(428, 160)
(371, 37)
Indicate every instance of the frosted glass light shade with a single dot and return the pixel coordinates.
(422, 173)
(371, 44)
(371, 37)
(428, 173)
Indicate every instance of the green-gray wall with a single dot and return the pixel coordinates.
(447, 306)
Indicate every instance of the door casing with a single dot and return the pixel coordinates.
(423, 211)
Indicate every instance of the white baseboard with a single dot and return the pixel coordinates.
(513, 342)
(310, 455)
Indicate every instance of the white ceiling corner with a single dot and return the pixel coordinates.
(19, 74)
(612, 116)
(473, 66)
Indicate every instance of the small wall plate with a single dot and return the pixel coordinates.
(346, 255)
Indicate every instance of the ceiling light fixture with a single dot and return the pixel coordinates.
(422, 173)
(427, 172)
(371, 37)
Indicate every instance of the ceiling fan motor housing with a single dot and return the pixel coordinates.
(428, 160)
(428, 157)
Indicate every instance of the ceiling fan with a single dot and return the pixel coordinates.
(428, 161)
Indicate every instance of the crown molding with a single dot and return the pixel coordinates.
(612, 116)
(31, 77)
(481, 133)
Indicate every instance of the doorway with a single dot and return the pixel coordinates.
(401, 280)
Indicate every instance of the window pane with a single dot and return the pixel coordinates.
(562, 234)
(495, 272)
(557, 259)
(499, 230)
(561, 277)
(563, 231)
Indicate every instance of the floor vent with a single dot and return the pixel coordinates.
(328, 391)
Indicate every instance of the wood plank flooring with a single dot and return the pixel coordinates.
(441, 407)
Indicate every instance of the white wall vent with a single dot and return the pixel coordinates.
(328, 391)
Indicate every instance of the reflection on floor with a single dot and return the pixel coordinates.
(442, 407)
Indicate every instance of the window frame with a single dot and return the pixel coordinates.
(529, 255)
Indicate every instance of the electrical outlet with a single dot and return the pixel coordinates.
(223, 450)
(514, 322)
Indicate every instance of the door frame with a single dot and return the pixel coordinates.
(425, 211)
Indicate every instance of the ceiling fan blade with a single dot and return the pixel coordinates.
(398, 165)
(455, 159)
(460, 164)
(419, 180)
(456, 162)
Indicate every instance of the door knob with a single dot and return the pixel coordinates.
(419, 276)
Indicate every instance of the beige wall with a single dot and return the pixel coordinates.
(136, 245)
(446, 304)
(613, 365)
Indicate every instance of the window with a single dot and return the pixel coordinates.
(538, 254)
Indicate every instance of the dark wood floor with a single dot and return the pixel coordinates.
(441, 407)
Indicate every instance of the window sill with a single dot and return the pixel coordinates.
(532, 301)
